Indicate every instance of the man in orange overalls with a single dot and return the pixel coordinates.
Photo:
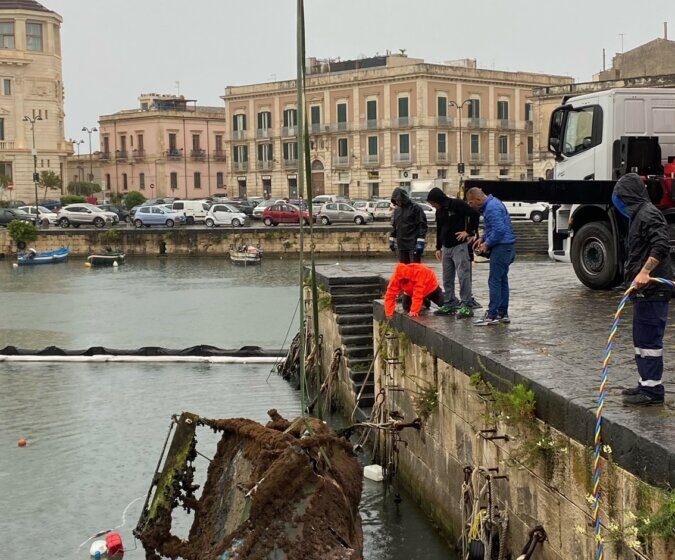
(418, 284)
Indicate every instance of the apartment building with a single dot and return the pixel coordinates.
(31, 87)
(382, 122)
(168, 146)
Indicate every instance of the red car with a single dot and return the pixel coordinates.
(283, 213)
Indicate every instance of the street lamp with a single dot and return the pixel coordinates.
(460, 165)
(36, 177)
(91, 164)
(77, 143)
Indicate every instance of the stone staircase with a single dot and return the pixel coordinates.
(532, 238)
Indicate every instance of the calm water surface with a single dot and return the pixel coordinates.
(95, 430)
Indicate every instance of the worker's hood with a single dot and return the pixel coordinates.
(400, 194)
(437, 196)
(403, 272)
(629, 194)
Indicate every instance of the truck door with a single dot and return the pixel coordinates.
(580, 137)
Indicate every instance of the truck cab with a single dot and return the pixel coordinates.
(597, 138)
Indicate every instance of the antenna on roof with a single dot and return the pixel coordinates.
(402, 51)
(622, 36)
(177, 82)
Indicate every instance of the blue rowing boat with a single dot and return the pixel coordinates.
(49, 257)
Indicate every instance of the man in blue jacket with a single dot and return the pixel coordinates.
(499, 241)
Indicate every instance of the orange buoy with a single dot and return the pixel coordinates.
(23, 443)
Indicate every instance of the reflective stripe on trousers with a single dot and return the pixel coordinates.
(649, 325)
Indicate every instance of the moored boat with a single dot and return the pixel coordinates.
(106, 259)
(246, 255)
(31, 256)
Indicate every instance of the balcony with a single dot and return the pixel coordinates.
(505, 158)
(341, 161)
(475, 123)
(240, 166)
(443, 122)
(315, 128)
(442, 158)
(104, 156)
(138, 155)
(6, 145)
(529, 158)
(174, 154)
(265, 165)
(219, 155)
(372, 159)
(506, 124)
(371, 124)
(290, 163)
(529, 126)
(340, 127)
(238, 134)
(287, 131)
(476, 157)
(402, 159)
(402, 122)
(122, 154)
(198, 154)
(263, 133)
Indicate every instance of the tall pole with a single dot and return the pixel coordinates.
(460, 165)
(36, 178)
(91, 162)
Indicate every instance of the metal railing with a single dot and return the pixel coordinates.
(315, 128)
(340, 127)
(265, 164)
(444, 121)
(174, 153)
(219, 155)
(240, 166)
(198, 154)
(505, 158)
(341, 161)
(371, 124)
(122, 154)
(442, 157)
(104, 156)
(402, 122)
(402, 158)
(372, 158)
(529, 125)
(238, 134)
(138, 154)
(506, 124)
(263, 132)
(290, 163)
(475, 123)
(476, 157)
(289, 131)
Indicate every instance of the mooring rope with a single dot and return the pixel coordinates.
(600, 554)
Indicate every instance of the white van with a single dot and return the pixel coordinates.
(193, 210)
(537, 211)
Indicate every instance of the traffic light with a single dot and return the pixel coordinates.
(36, 177)
(460, 168)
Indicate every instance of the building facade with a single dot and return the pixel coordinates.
(81, 168)
(382, 122)
(169, 146)
(31, 85)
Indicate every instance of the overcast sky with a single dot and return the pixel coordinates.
(113, 51)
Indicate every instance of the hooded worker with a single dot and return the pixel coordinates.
(418, 283)
(408, 228)
(648, 256)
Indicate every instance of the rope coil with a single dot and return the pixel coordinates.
(597, 522)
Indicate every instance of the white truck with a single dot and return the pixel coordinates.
(596, 138)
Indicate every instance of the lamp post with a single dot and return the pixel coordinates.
(91, 163)
(36, 177)
(460, 165)
(78, 143)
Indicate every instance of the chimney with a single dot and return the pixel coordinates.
(665, 30)
(604, 63)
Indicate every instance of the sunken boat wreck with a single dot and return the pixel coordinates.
(286, 490)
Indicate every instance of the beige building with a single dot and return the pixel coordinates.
(31, 85)
(381, 122)
(80, 168)
(169, 146)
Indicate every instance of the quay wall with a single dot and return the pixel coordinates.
(328, 240)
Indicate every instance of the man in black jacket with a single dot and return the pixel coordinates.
(408, 228)
(648, 255)
(456, 221)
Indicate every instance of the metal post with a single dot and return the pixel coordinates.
(91, 163)
(460, 166)
(32, 120)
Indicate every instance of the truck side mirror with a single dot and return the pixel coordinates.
(588, 142)
(554, 145)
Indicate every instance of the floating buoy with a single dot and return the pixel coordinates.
(87, 264)
(98, 549)
(15, 265)
(22, 442)
(115, 265)
(113, 542)
(374, 473)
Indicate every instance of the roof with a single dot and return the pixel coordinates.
(23, 5)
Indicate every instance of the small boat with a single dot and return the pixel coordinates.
(109, 258)
(246, 255)
(48, 257)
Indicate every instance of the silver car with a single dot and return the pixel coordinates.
(334, 212)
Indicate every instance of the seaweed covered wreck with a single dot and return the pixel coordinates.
(287, 490)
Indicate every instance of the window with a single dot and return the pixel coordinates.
(172, 143)
(198, 180)
(503, 110)
(173, 178)
(342, 116)
(139, 142)
(442, 106)
(475, 144)
(474, 109)
(106, 145)
(290, 151)
(442, 143)
(265, 152)
(264, 120)
(343, 148)
(2, 129)
(315, 114)
(528, 112)
(219, 143)
(373, 146)
(7, 87)
(155, 210)
(579, 130)
(57, 39)
(196, 143)
(125, 181)
(371, 113)
(108, 183)
(6, 34)
(220, 180)
(403, 107)
(503, 144)
(241, 154)
(404, 144)
(123, 143)
(34, 36)
(290, 118)
(442, 173)
(239, 122)
(6, 169)
(530, 145)
(141, 180)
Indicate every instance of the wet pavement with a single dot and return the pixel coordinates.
(556, 344)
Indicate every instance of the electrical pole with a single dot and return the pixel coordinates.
(460, 165)
(36, 177)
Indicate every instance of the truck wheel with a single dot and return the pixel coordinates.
(536, 217)
(593, 256)
(190, 220)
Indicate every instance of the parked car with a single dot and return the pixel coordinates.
(244, 206)
(45, 216)
(255, 200)
(429, 211)
(122, 213)
(132, 212)
(225, 215)
(258, 210)
(319, 201)
(85, 214)
(335, 212)
(382, 210)
(284, 213)
(51, 204)
(536, 212)
(147, 216)
(193, 210)
(8, 215)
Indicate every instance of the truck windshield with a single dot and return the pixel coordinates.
(578, 131)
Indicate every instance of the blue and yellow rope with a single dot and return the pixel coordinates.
(598, 414)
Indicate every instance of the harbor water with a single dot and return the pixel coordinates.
(95, 431)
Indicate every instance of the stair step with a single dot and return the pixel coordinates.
(347, 330)
(367, 401)
(358, 340)
(359, 376)
(355, 319)
(354, 298)
(359, 351)
(355, 289)
(357, 361)
(343, 280)
(354, 308)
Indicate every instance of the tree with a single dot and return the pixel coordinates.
(83, 188)
(22, 232)
(5, 181)
(134, 198)
(50, 181)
